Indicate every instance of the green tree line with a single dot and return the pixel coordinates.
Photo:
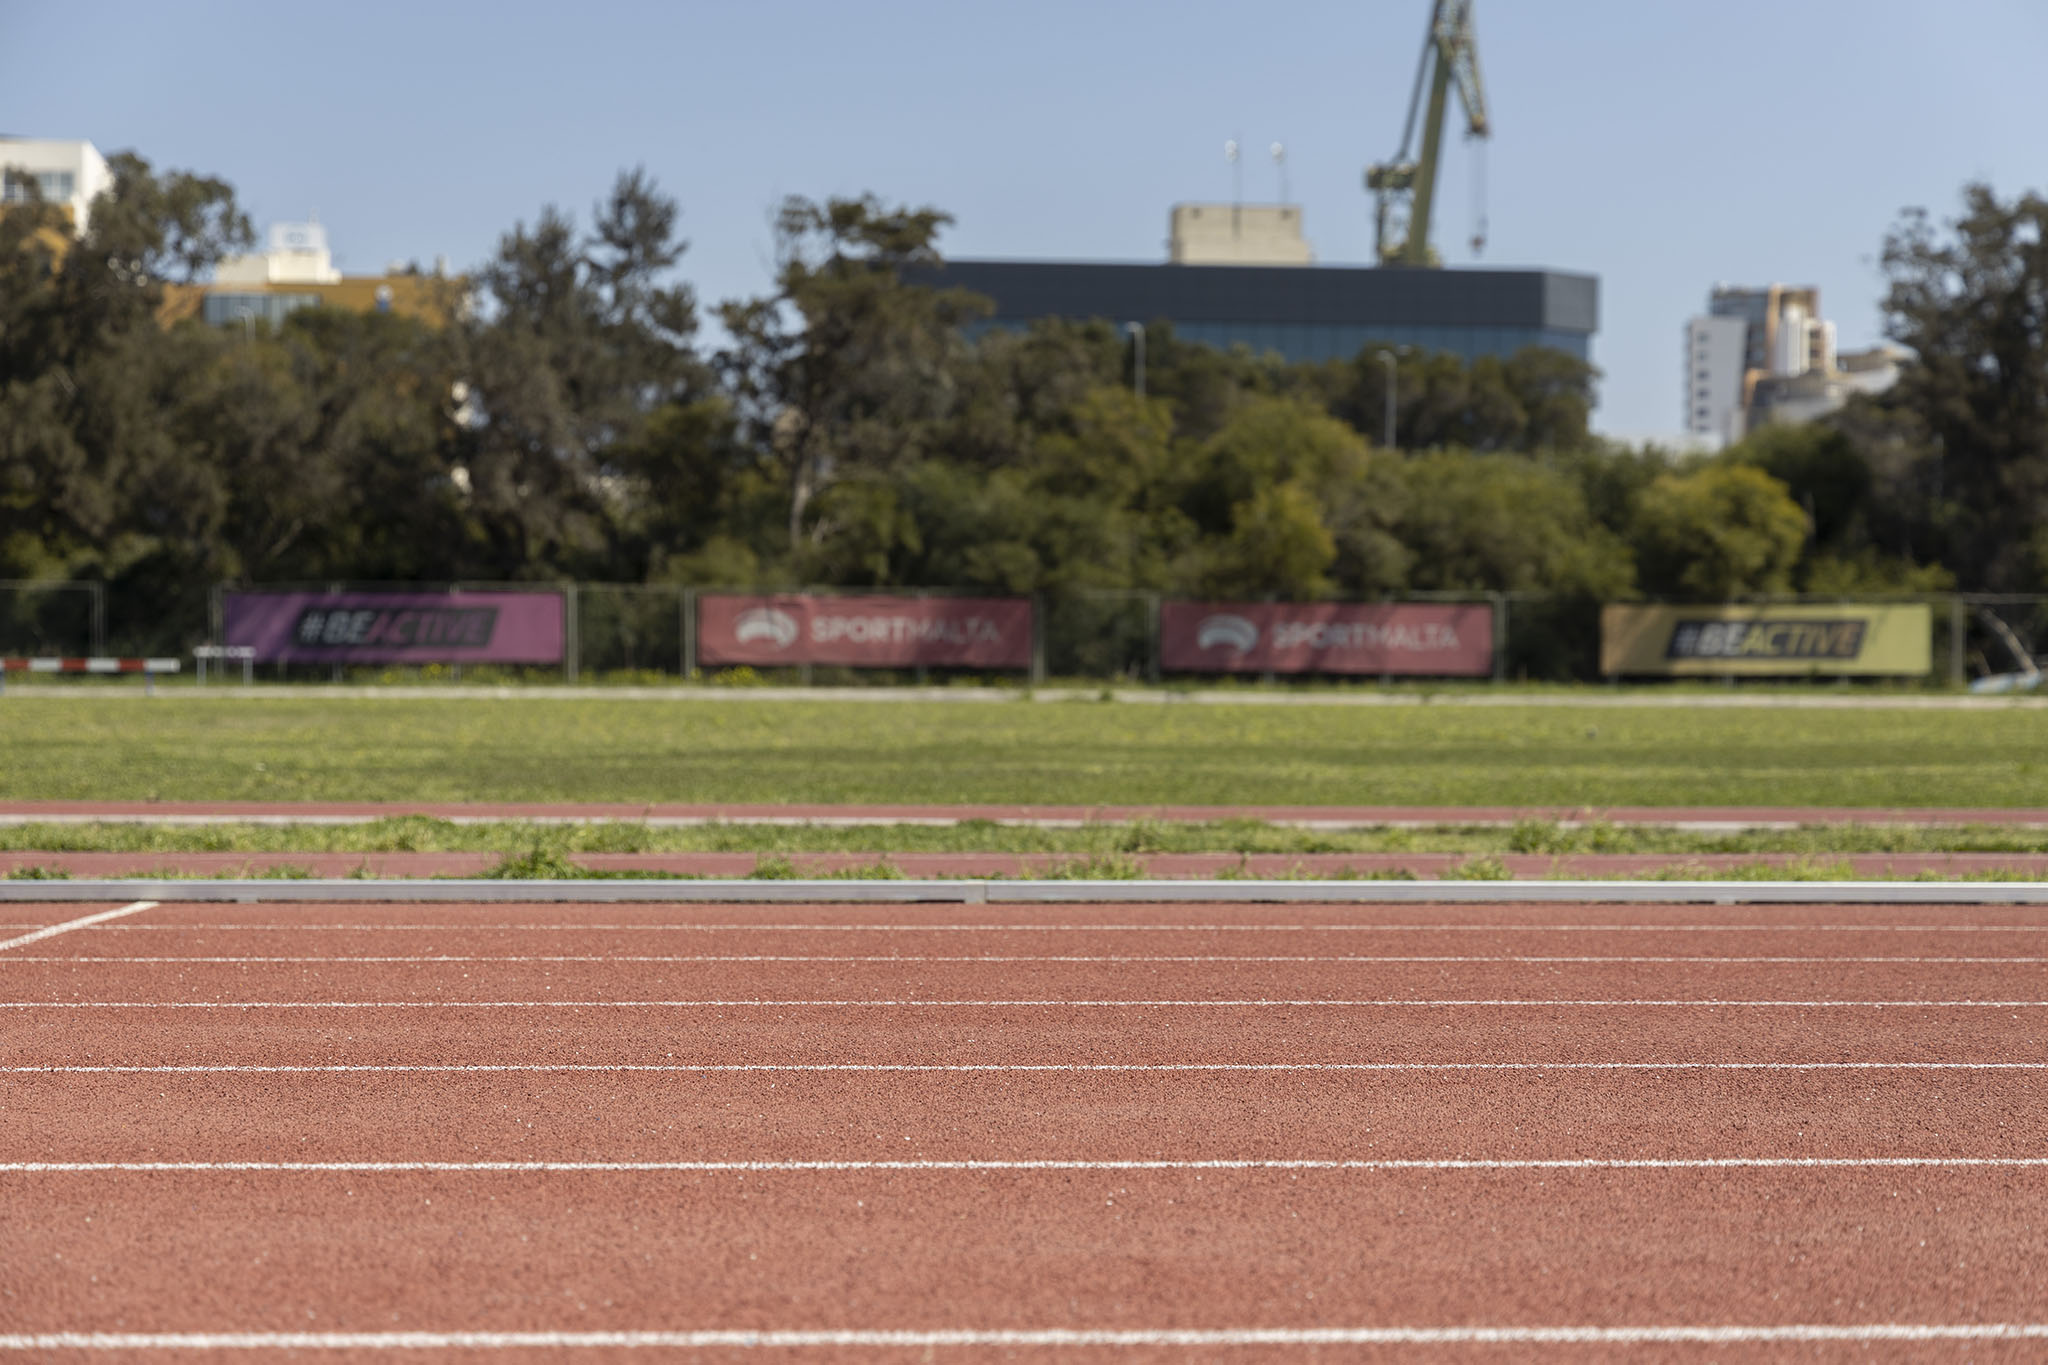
(849, 427)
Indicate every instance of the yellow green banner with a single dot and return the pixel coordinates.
(1767, 641)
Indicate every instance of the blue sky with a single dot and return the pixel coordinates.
(1662, 146)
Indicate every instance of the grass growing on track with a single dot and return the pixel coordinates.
(301, 749)
(528, 848)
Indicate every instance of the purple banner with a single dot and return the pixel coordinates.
(1408, 638)
(396, 627)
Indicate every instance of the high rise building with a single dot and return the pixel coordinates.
(1716, 359)
(1765, 355)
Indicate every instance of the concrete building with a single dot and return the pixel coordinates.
(1815, 393)
(69, 174)
(1237, 234)
(296, 270)
(1767, 355)
(1716, 359)
(1872, 371)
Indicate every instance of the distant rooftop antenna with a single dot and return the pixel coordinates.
(1236, 183)
(1280, 164)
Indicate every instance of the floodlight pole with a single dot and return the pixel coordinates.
(1387, 359)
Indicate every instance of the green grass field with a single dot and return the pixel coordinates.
(306, 748)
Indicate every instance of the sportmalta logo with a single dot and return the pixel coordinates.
(1766, 640)
(765, 623)
(1226, 631)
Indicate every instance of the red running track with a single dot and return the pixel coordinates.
(1213, 1131)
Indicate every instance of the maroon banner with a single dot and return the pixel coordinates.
(475, 626)
(865, 632)
(1439, 640)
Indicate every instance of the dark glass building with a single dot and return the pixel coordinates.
(1313, 312)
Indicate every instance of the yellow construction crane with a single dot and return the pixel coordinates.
(1405, 188)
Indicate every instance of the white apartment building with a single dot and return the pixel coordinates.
(1715, 362)
(71, 174)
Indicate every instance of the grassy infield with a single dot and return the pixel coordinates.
(1080, 753)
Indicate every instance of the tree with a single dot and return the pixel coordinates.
(580, 341)
(1503, 523)
(1821, 471)
(100, 475)
(846, 368)
(1012, 387)
(1722, 531)
(1277, 545)
(1536, 399)
(1974, 308)
(1555, 392)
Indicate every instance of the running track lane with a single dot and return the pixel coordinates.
(208, 1250)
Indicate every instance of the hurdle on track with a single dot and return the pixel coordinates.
(148, 668)
(222, 655)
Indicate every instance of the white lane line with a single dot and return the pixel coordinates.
(723, 1068)
(55, 929)
(1002, 1004)
(1053, 1338)
(908, 959)
(1720, 1163)
(455, 927)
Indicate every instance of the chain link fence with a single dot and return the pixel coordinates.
(630, 629)
(45, 618)
(1988, 636)
(644, 632)
(1098, 633)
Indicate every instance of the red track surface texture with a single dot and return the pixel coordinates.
(171, 811)
(1149, 1132)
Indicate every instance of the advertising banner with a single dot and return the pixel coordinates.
(864, 632)
(1432, 639)
(1768, 641)
(395, 627)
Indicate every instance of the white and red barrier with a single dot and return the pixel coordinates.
(89, 665)
(148, 668)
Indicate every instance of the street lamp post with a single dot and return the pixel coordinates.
(1387, 359)
(1137, 335)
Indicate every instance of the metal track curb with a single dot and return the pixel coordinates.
(1003, 892)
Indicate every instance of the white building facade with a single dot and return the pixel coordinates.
(1715, 361)
(70, 174)
(294, 253)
